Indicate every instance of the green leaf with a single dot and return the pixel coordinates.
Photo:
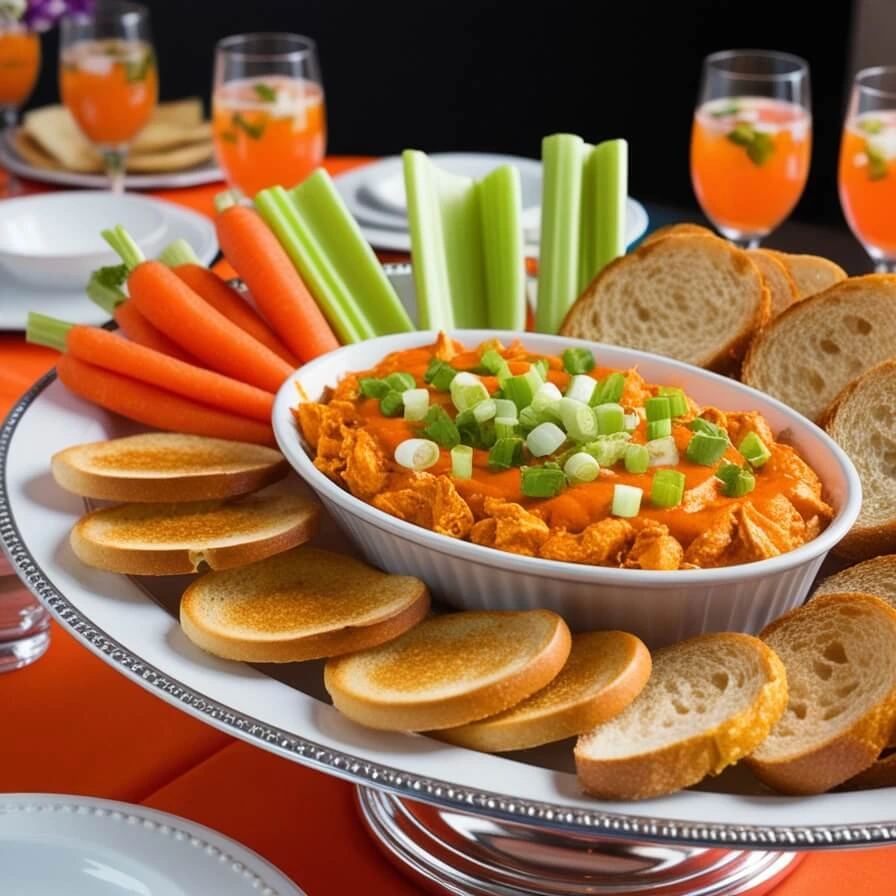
(265, 92)
(255, 131)
(761, 149)
(742, 134)
(227, 136)
(871, 125)
(877, 163)
(726, 111)
(112, 276)
(137, 71)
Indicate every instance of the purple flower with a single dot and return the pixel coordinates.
(41, 15)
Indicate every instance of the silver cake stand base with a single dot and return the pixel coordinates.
(451, 852)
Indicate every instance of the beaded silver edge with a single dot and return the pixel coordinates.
(499, 806)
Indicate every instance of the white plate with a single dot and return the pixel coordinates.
(206, 173)
(51, 844)
(18, 298)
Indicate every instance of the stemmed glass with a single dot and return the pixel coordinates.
(751, 141)
(19, 68)
(268, 110)
(108, 78)
(867, 173)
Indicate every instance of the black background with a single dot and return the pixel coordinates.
(497, 76)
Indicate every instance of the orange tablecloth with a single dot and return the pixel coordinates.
(70, 724)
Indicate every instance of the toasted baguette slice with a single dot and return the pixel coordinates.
(692, 297)
(811, 274)
(881, 773)
(839, 651)
(862, 420)
(817, 346)
(680, 229)
(605, 671)
(166, 466)
(876, 576)
(781, 288)
(303, 604)
(172, 539)
(450, 670)
(710, 701)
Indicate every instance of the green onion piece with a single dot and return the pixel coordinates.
(391, 403)
(506, 453)
(542, 482)
(439, 374)
(698, 424)
(754, 449)
(678, 403)
(371, 387)
(637, 458)
(473, 433)
(706, 450)
(578, 360)
(658, 429)
(492, 361)
(727, 471)
(626, 500)
(506, 427)
(529, 419)
(467, 390)
(609, 390)
(581, 387)
(462, 462)
(610, 418)
(581, 467)
(521, 389)
(416, 404)
(658, 408)
(667, 488)
(504, 407)
(485, 410)
(736, 481)
(401, 381)
(441, 428)
(663, 452)
(630, 422)
(607, 450)
(578, 418)
(546, 396)
(545, 439)
(417, 454)
(541, 367)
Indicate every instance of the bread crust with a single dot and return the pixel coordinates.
(881, 773)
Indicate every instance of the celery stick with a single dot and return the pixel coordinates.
(177, 253)
(500, 205)
(588, 219)
(558, 278)
(611, 169)
(359, 276)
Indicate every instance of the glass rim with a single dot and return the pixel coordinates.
(120, 10)
(231, 46)
(800, 65)
(871, 72)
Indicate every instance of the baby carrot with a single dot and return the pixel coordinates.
(154, 406)
(276, 286)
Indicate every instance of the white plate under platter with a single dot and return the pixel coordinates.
(52, 843)
(18, 298)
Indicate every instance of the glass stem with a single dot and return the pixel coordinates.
(747, 242)
(885, 266)
(8, 121)
(116, 160)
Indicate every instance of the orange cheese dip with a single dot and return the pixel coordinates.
(354, 444)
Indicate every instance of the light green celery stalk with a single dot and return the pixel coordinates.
(558, 267)
(611, 173)
(500, 205)
(587, 219)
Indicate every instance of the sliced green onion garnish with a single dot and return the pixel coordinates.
(547, 395)
(678, 403)
(736, 481)
(542, 482)
(506, 453)
(610, 418)
(578, 360)
(545, 439)
(522, 388)
(505, 408)
(630, 422)
(462, 462)
(705, 449)
(485, 410)
(416, 403)
(467, 390)
(441, 428)
(492, 361)
(371, 387)
(507, 427)
(581, 467)
(391, 403)
(439, 374)
(609, 389)
(667, 488)
(754, 449)
(658, 408)
(416, 454)
(401, 381)
(529, 419)
(607, 450)
(659, 429)
(637, 458)
(541, 367)
(578, 419)
(626, 500)
(698, 424)
(581, 387)
(663, 452)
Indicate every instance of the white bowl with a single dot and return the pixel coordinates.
(660, 607)
(53, 239)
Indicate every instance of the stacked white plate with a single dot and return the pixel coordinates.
(375, 196)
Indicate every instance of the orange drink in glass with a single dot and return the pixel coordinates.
(19, 68)
(867, 167)
(751, 141)
(268, 115)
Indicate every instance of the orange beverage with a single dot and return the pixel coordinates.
(749, 161)
(19, 66)
(867, 179)
(110, 87)
(268, 130)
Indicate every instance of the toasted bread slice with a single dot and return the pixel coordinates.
(692, 297)
(450, 670)
(811, 351)
(876, 576)
(604, 672)
(811, 274)
(680, 229)
(172, 539)
(862, 420)
(781, 287)
(302, 604)
(710, 701)
(166, 466)
(839, 651)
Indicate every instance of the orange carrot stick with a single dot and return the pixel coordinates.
(276, 286)
(139, 330)
(154, 406)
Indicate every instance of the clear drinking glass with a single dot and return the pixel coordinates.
(19, 68)
(867, 170)
(108, 78)
(24, 623)
(751, 141)
(268, 116)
